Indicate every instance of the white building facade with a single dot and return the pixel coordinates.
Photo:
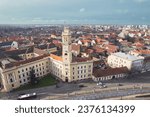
(119, 59)
(19, 74)
(66, 67)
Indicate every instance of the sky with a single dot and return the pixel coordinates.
(75, 11)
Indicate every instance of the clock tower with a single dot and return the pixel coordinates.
(66, 53)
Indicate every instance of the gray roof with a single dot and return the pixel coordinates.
(6, 43)
(2, 55)
(127, 56)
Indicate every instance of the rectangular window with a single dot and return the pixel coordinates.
(10, 75)
(12, 85)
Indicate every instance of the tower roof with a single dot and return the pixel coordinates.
(66, 31)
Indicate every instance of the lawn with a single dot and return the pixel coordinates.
(43, 82)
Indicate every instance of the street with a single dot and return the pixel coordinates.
(137, 84)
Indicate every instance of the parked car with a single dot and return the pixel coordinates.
(81, 86)
(27, 96)
(99, 84)
(102, 85)
(120, 84)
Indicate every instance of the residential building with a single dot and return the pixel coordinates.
(119, 59)
(11, 44)
(68, 68)
(15, 74)
(108, 74)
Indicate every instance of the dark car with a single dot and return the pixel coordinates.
(120, 84)
(81, 86)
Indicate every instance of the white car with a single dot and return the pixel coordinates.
(27, 96)
(99, 84)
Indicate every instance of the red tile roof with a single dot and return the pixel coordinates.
(99, 50)
(81, 59)
(58, 58)
(142, 51)
(110, 71)
(85, 41)
(75, 47)
(111, 48)
(25, 61)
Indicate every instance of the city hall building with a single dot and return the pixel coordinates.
(64, 66)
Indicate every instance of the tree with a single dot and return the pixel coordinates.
(33, 77)
(130, 39)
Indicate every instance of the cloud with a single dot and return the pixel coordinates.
(121, 1)
(122, 11)
(143, 18)
(82, 9)
(140, 1)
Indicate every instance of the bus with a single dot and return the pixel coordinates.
(27, 96)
